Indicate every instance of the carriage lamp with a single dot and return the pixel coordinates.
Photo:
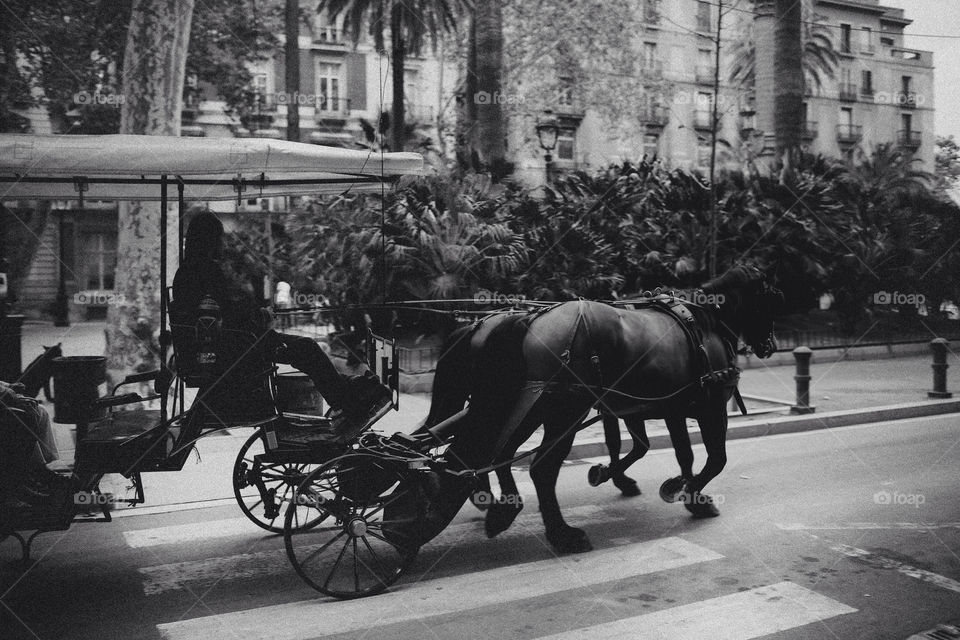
(547, 131)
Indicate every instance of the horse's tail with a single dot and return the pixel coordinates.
(452, 377)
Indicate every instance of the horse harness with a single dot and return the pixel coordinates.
(710, 378)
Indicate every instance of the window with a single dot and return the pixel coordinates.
(866, 82)
(565, 91)
(566, 145)
(651, 11)
(906, 83)
(704, 64)
(650, 60)
(328, 87)
(703, 113)
(866, 40)
(704, 23)
(325, 30)
(845, 38)
(651, 145)
(259, 83)
(888, 42)
(906, 123)
(703, 153)
(846, 116)
(99, 260)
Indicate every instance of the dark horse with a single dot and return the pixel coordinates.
(663, 360)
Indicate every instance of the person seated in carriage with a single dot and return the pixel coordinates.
(356, 401)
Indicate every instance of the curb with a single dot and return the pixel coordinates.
(788, 424)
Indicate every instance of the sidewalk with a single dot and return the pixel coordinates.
(847, 391)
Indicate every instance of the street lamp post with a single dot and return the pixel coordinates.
(547, 132)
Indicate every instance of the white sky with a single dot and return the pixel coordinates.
(938, 18)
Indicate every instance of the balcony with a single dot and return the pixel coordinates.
(651, 13)
(329, 36)
(866, 93)
(906, 99)
(849, 133)
(868, 49)
(703, 120)
(913, 57)
(748, 104)
(908, 139)
(810, 130)
(652, 68)
(705, 74)
(847, 92)
(331, 109)
(653, 116)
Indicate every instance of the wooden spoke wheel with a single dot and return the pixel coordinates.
(370, 510)
(280, 480)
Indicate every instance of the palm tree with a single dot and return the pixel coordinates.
(819, 58)
(788, 91)
(411, 23)
(486, 44)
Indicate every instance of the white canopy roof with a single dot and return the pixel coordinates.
(129, 167)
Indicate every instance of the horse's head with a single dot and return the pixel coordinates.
(751, 303)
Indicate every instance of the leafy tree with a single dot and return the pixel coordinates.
(947, 164)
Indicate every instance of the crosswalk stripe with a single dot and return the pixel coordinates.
(444, 595)
(198, 574)
(185, 533)
(738, 616)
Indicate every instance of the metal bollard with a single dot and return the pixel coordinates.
(939, 347)
(802, 355)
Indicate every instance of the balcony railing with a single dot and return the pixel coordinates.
(652, 68)
(906, 99)
(654, 115)
(909, 139)
(326, 107)
(913, 56)
(849, 133)
(328, 35)
(705, 74)
(702, 120)
(810, 129)
(848, 92)
(867, 92)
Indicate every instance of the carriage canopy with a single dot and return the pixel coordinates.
(130, 167)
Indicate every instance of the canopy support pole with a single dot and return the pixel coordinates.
(163, 285)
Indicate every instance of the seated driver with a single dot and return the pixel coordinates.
(357, 402)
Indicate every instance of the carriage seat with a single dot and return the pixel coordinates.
(239, 388)
(126, 441)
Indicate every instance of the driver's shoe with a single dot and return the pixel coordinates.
(367, 404)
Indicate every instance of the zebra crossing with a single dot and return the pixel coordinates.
(738, 615)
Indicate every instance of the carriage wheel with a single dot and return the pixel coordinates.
(370, 509)
(280, 479)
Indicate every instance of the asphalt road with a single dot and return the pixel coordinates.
(844, 533)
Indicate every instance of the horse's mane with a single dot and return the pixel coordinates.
(732, 280)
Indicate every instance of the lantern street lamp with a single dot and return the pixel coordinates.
(547, 131)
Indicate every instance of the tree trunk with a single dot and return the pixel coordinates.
(154, 68)
(292, 58)
(489, 131)
(467, 107)
(398, 57)
(788, 96)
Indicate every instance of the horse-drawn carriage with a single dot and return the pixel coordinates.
(355, 511)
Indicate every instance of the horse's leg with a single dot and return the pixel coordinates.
(544, 471)
(641, 444)
(713, 430)
(504, 510)
(671, 489)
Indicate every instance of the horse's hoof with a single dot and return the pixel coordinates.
(700, 505)
(570, 540)
(671, 489)
(627, 485)
(501, 514)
